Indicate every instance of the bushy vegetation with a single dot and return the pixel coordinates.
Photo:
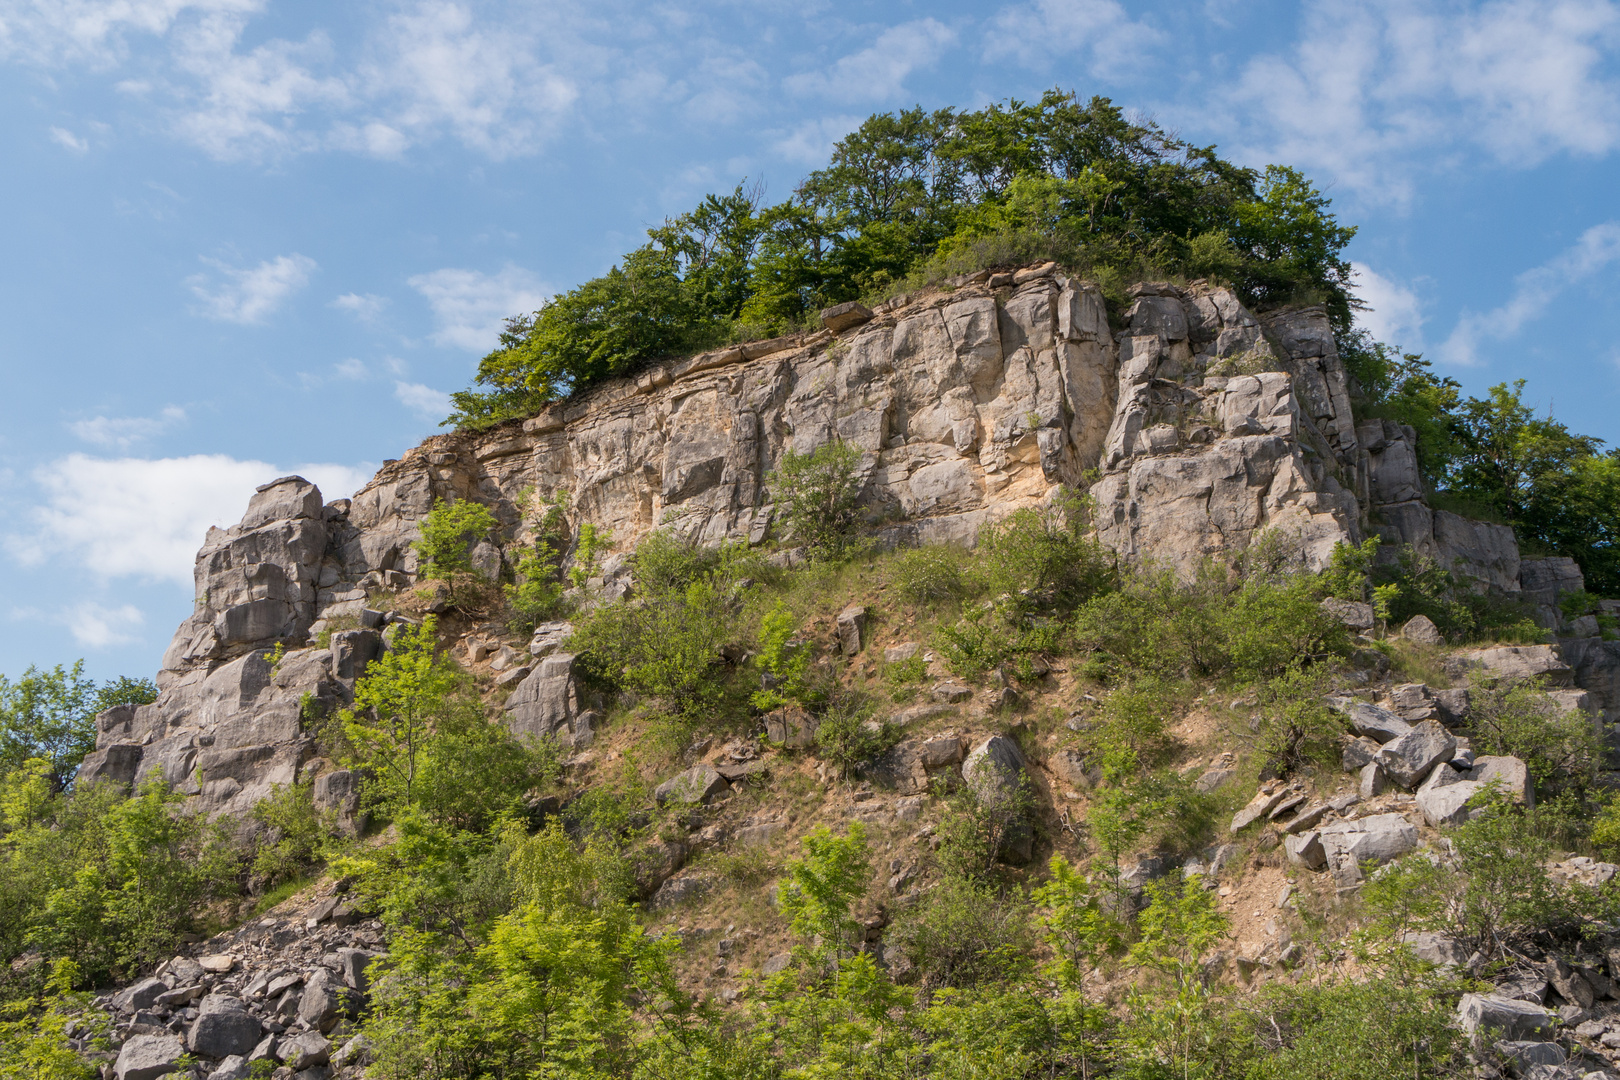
(518, 948)
(50, 715)
(104, 880)
(914, 196)
(448, 534)
(1492, 457)
(818, 492)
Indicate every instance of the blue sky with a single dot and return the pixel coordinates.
(248, 237)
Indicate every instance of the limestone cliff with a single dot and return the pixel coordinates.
(1195, 424)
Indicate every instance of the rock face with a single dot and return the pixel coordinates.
(1198, 426)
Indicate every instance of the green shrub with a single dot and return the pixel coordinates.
(108, 882)
(419, 731)
(1560, 747)
(783, 661)
(1045, 560)
(965, 933)
(817, 892)
(1297, 730)
(537, 594)
(1500, 893)
(1414, 584)
(933, 575)
(817, 493)
(1218, 625)
(295, 835)
(847, 736)
(978, 827)
(1390, 1024)
(666, 647)
(448, 533)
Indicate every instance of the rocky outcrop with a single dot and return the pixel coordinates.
(1227, 428)
(1198, 427)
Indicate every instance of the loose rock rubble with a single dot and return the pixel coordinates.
(285, 987)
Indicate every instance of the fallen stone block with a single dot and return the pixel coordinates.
(1513, 1020)
(698, 784)
(1408, 758)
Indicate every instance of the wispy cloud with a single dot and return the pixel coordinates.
(145, 518)
(811, 142)
(1044, 31)
(1533, 291)
(469, 306)
(96, 627)
(879, 71)
(252, 294)
(124, 431)
(1394, 313)
(95, 32)
(247, 104)
(1372, 93)
(437, 69)
(424, 401)
(363, 306)
(69, 141)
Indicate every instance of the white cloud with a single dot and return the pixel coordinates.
(66, 139)
(96, 627)
(146, 518)
(811, 142)
(1394, 315)
(1040, 32)
(251, 295)
(122, 432)
(1370, 93)
(437, 69)
(351, 369)
(878, 72)
(246, 104)
(426, 402)
(1533, 291)
(363, 306)
(469, 306)
(93, 31)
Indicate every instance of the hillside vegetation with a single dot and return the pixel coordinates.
(1019, 812)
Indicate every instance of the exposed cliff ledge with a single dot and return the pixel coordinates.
(1197, 426)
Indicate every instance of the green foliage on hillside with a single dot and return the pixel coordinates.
(1495, 458)
(925, 194)
(107, 881)
(51, 715)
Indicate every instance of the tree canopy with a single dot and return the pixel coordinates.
(1493, 456)
(1060, 177)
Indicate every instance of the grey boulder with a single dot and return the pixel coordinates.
(1408, 758)
(143, 995)
(235, 1067)
(146, 1057)
(222, 1028)
(1378, 839)
(1376, 723)
(851, 629)
(1510, 774)
(698, 784)
(305, 1050)
(1421, 629)
(996, 774)
(1352, 613)
(1514, 1020)
(1437, 949)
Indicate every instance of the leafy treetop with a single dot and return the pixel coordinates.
(1060, 177)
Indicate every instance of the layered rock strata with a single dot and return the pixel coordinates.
(1196, 426)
